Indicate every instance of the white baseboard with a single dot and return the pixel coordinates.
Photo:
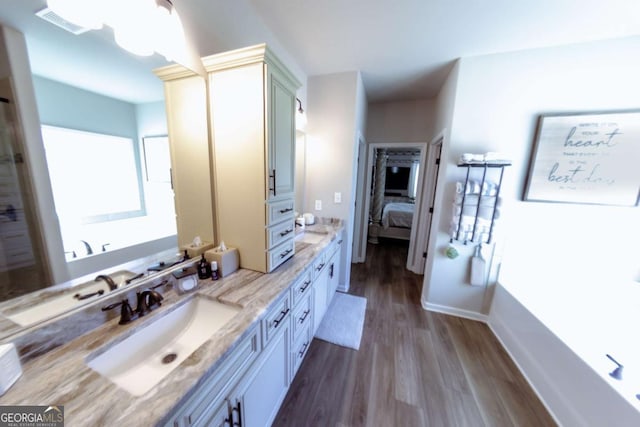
(455, 311)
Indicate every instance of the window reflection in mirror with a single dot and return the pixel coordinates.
(98, 191)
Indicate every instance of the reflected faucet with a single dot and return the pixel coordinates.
(109, 280)
(87, 246)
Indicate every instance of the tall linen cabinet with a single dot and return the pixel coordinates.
(251, 112)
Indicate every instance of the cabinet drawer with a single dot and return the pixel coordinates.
(319, 264)
(333, 247)
(300, 348)
(275, 320)
(279, 233)
(301, 287)
(279, 211)
(301, 317)
(210, 395)
(280, 254)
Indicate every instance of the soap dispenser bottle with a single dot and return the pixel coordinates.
(204, 269)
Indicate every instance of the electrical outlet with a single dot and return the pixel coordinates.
(318, 205)
(337, 197)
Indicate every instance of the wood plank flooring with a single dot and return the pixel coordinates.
(414, 367)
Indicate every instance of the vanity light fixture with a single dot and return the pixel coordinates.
(301, 117)
(141, 27)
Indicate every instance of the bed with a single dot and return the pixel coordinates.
(397, 218)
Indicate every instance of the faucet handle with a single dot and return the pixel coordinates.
(155, 298)
(126, 312)
(142, 306)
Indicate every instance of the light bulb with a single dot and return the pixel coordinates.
(301, 120)
(169, 40)
(84, 13)
(131, 26)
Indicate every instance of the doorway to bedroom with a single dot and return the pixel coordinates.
(394, 203)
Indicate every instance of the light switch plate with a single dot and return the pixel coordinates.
(318, 205)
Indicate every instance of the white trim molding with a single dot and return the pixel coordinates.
(453, 311)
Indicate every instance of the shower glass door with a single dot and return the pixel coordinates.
(22, 263)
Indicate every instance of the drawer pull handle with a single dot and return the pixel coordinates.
(304, 348)
(285, 253)
(283, 314)
(304, 316)
(274, 182)
(304, 288)
(285, 232)
(318, 268)
(285, 210)
(233, 418)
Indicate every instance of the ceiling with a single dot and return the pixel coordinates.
(404, 48)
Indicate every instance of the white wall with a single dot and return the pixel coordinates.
(336, 110)
(575, 247)
(499, 98)
(401, 121)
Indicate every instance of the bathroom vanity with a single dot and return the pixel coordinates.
(239, 374)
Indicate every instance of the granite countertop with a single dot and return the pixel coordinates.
(61, 376)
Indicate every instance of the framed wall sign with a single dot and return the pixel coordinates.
(586, 158)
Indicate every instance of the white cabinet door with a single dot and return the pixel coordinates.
(222, 416)
(334, 275)
(281, 138)
(320, 293)
(258, 398)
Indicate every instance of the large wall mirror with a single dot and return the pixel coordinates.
(100, 192)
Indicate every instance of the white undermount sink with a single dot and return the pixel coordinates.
(68, 300)
(143, 359)
(310, 237)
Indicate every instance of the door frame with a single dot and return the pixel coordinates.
(360, 220)
(417, 217)
(427, 207)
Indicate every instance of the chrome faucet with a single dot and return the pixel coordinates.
(109, 280)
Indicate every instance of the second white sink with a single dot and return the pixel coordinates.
(143, 359)
(310, 237)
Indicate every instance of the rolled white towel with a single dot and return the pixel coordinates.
(488, 188)
(472, 200)
(484, 212)
(471, 158)
(496, 157)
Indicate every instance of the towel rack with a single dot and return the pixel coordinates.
(485, 166)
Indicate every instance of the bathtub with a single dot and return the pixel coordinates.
(559, 330)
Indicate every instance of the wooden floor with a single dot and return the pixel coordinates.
(414, 367)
